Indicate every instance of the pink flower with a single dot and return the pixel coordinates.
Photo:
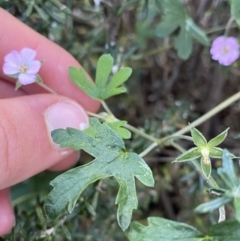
(22, 65)
(225, 50)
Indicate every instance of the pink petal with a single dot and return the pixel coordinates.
(218, 42)
(232, 43)
(34, 67)
(26, 79)
(27, 55)
(10, 69)
(14, 58)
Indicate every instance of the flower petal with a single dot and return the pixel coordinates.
(27, 55)
(232, 43)
(26, 79)
(14, 58)
(10, 69)
(219, 42)
(34, 67)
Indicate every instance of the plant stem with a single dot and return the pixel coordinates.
(228, 26)
(106, 108)
(47, 88)
(148, 149)
(219, 28)
(142, 133)
(209, 114)
(96, 115)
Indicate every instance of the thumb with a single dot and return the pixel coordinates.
(25, 126)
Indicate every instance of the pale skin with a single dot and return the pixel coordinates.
(25, 143)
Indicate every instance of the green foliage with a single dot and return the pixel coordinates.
(111, 159)
(206, 166)
(131, 32)
(204, 150)
(118, 126)
(232, 191)
(235, 10)
(175, 16)
(212, 205)
(166, 230)
(103, 88)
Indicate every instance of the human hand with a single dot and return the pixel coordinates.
(27, 116)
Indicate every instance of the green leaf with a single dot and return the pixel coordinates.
(212, 205)
(218, 139)
(235, 10)
(118, 127)
(174, 9)
(206, 167)
(196, 32)
(66, 232)
(111, 159)
(225, 231)
(41, 13)
(82, 80)
(104, 88)
(236, 204)
(198, 138)
(112, 92)
(165, 230)
(174, 15)
(119, 78)
(61, 7)
(166, 27)
(126, 6)
(191, 154)
(183, 44)
(104, 68)
(227, 172)
(160, 229)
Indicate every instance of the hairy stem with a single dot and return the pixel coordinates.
(47, 88)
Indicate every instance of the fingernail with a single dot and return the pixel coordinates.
(65, 114)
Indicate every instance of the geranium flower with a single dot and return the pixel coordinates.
(225, 50)
(21, 65)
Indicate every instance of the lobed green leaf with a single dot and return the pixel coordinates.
(225, 231)
(166, 230)
(118, 126)
(111, 159)
(104, 68)
(119, 78)
(163, 230)
(82, 81)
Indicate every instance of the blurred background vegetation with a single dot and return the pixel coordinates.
(165, 92)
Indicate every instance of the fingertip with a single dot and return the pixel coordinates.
(7, 218)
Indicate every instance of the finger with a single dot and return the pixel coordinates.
(66, 163)
(7, 219)
(56, 60)
(7, 90)
(25, 126)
